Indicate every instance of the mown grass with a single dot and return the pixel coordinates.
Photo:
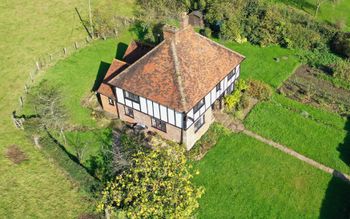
(244, 178)
(330, 11)
(312, 132)
(36, 188)
(76, 75)
(260, 62)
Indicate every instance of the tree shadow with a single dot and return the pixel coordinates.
(344, 148)
(102, 71)
(336, 202)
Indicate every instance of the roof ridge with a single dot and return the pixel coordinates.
(178, 74)
(218, 44)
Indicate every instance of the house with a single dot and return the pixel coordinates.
(174, 87)
(196, 19)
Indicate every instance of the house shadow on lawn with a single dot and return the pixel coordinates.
(104, 66)
(336, 202)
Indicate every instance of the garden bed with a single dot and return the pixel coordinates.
(307, 85)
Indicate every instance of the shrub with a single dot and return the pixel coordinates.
(341, 44)
(259, 90)
(233, 99)
(157, 185)
(341, 70)
(207, 141)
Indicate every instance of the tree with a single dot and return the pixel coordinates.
(157, 185)
(47, 103)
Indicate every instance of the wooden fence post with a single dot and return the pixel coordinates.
(21, 101)
(26, 88)
(76, 45)
(50, 57)
(37, 65)
(31, 76)
(65, 50)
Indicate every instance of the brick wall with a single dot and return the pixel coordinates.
(172, 133)
(190, 136)
(107, 107)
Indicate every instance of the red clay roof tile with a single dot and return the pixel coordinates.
(180, 71)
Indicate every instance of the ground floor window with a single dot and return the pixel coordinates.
(129, 112)
(199, 123)
(159, 124)
(110, 101)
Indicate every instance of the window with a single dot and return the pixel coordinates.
(218, 87)
(131, 96)
(110, 101)
(231, 74)
(129, 112)
(198, 105)
(158, 124)
(199, 123)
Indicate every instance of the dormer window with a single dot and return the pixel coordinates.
(131, 96)
(198, 105)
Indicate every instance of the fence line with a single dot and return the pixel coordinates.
(49, 59)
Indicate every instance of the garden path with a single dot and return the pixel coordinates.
(237, 127)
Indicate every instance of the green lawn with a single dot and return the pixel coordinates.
(76, 75)
(312, 132)
(329, 11)
(260, 63)
(36, 188)
(244, 178)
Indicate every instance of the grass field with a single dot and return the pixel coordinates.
(37, 188)
(260, 62)
(317, 134)
(329, 11)
(245, 178)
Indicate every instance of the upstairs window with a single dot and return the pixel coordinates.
(110, 101)
(199, 123)
(231, 74)
(158, 124)
(198, 105)
(218, 87)
(131, 96)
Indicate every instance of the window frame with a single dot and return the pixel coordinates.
(199, 105)
(135, 98)
(231, 74)
(162, 125)
(126, 108)
(218, 86)
(111, 101)
(197, 128)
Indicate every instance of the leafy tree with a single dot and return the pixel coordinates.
(157, 185)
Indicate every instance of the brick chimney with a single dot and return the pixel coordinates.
(184, 20)
(169, 32)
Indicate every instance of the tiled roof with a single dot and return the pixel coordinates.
(180, 71)
(135, 51)
(114, 69)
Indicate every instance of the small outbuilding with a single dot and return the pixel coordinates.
(196, 19)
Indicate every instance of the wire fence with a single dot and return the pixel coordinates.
(49, 59)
